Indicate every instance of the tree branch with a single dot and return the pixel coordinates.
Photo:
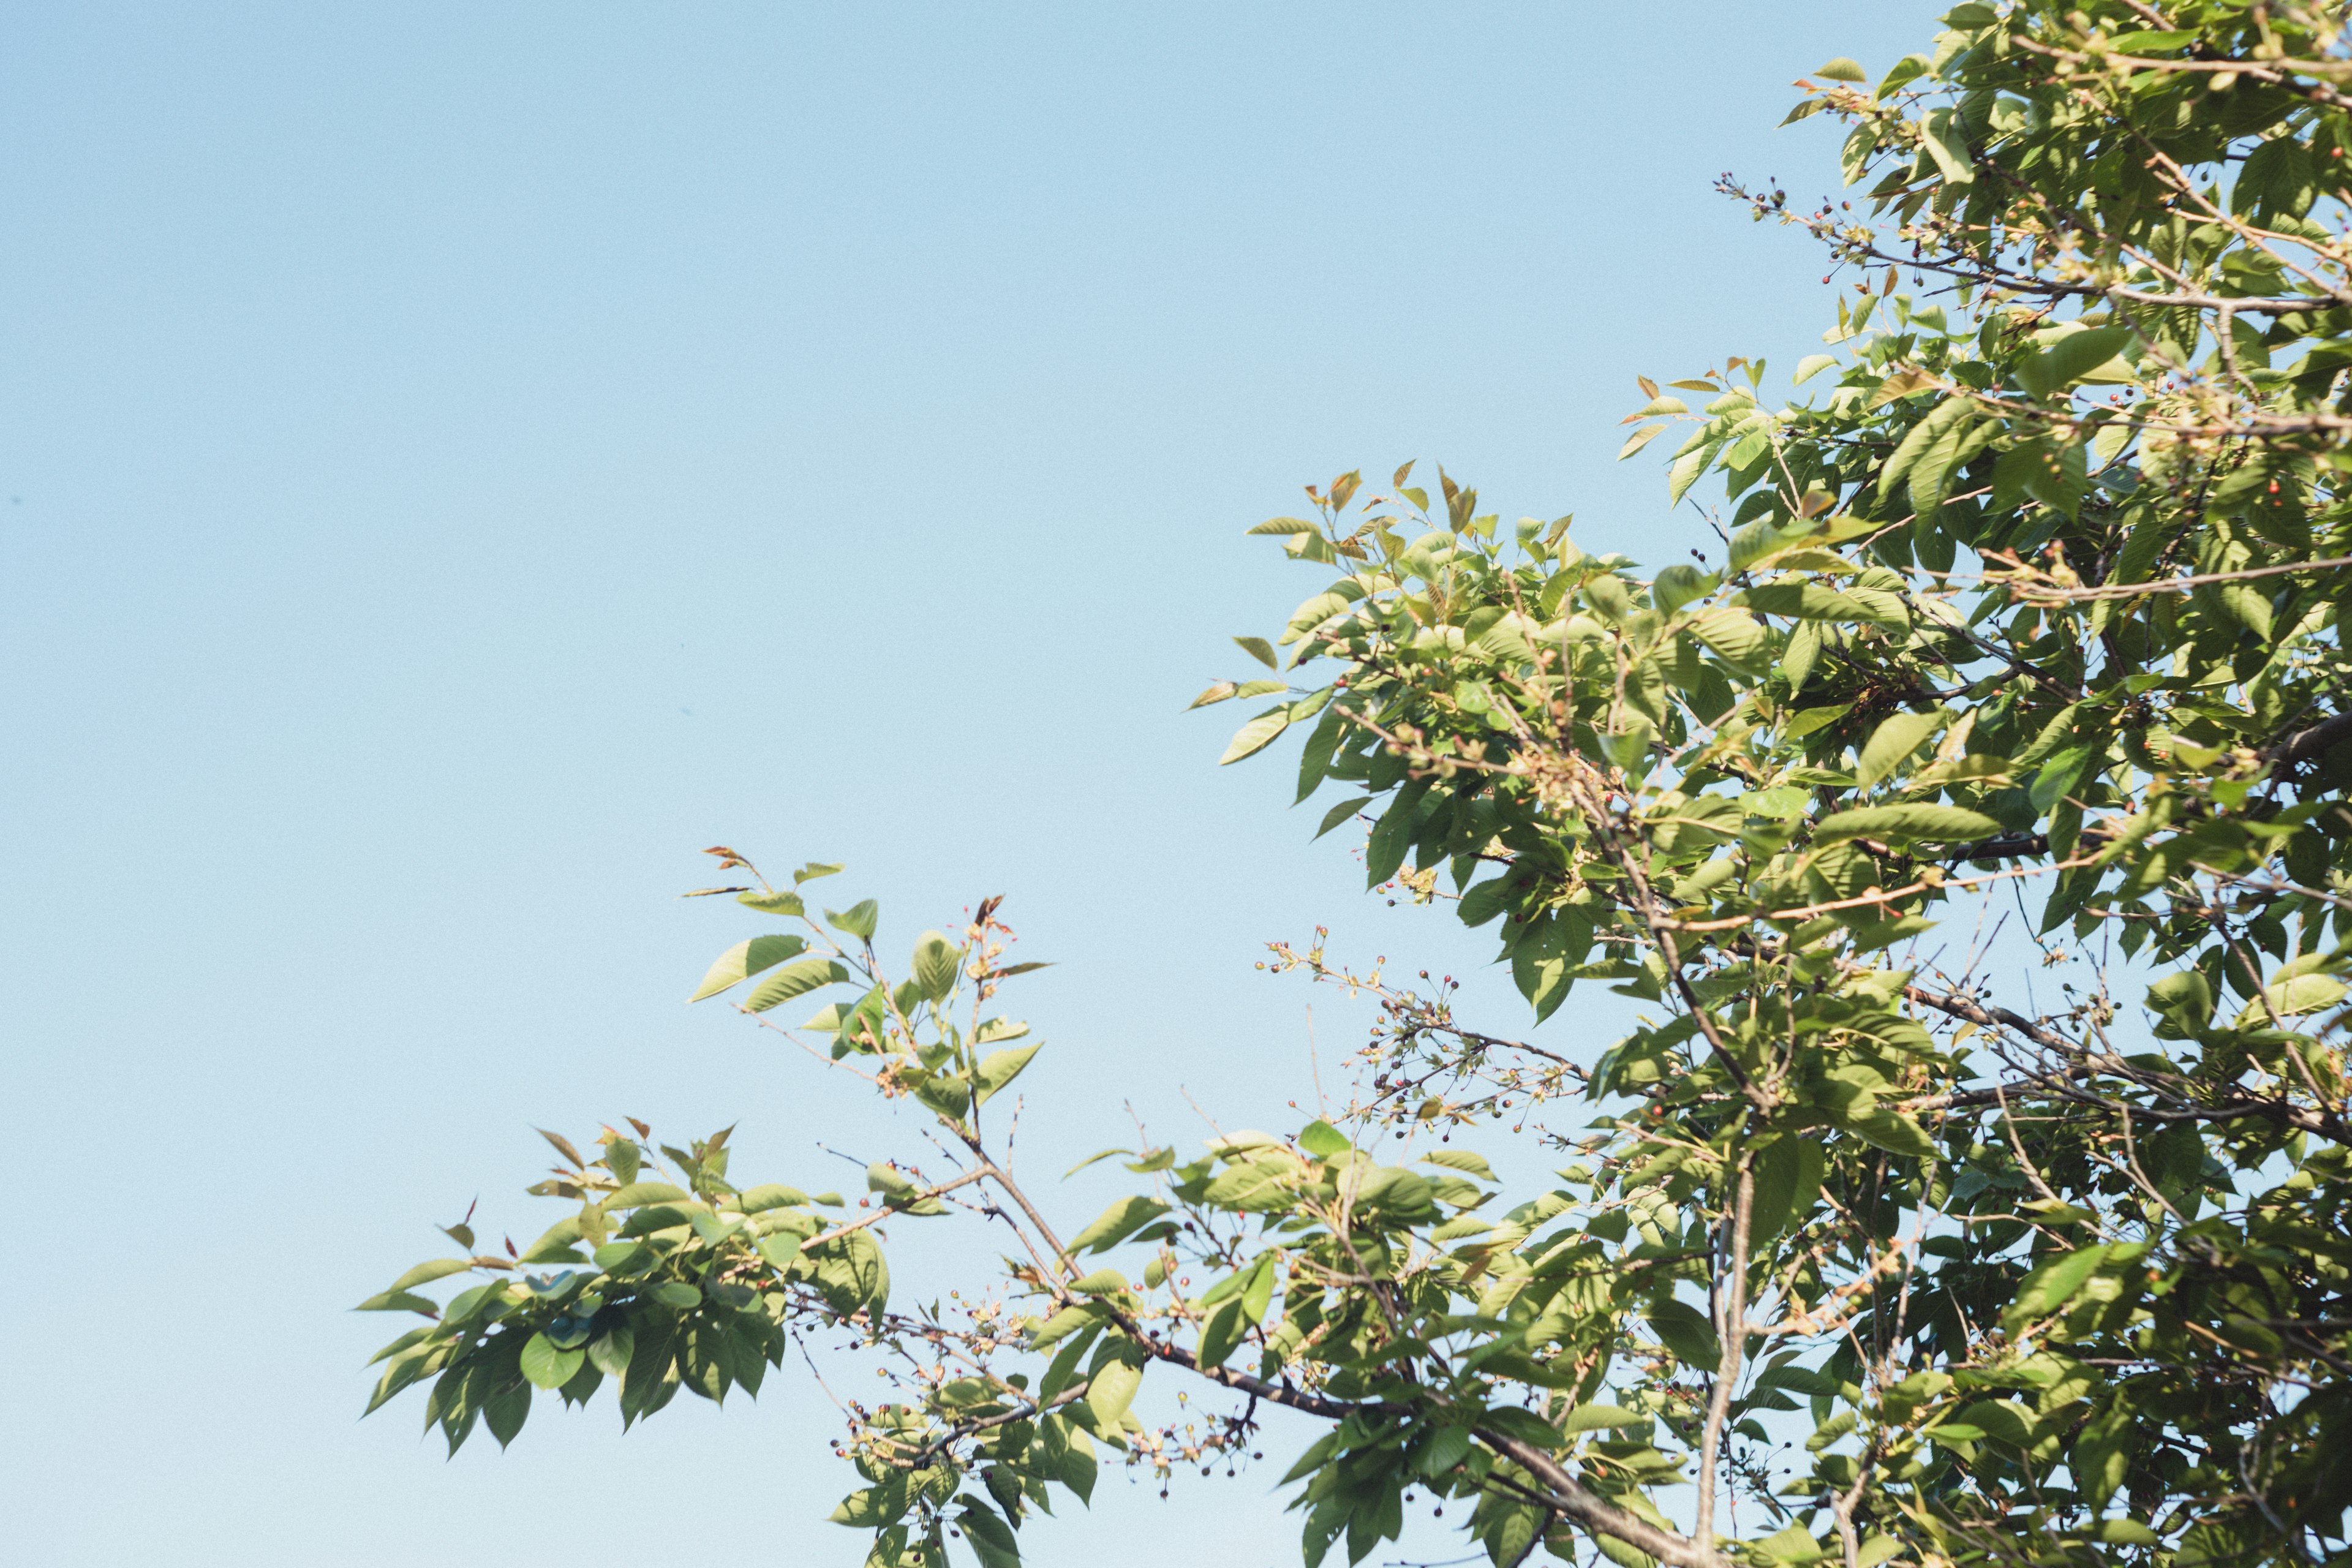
(1574, 1499)
(2085, 1065)
(1731, 1323)
(2304, 744)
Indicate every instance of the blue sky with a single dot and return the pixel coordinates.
(456, 462)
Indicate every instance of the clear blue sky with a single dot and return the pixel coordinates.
(456, 461)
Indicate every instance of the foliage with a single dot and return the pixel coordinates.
(2031, 611)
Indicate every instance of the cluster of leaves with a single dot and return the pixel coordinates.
(687, 1285)
(687, 1280)
(2031, 611)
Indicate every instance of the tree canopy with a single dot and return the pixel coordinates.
(2028, 608)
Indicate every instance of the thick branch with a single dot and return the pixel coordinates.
(1578, 1502)
(2304, 744)
(2008, 847)
(1567, 1495)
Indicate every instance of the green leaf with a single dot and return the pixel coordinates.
(1683, 1329)
(1829, 1431)
(1510, 1534)
(1221, 1333)
(1639, 440)
(1599, 1418)
(1940, 133)
(991, 1542)
(1677, 585)
(1069, 1455)
(1488, 898)
(1461, 1159)
(1901, 384)
(2278, 177)
(609, 1352)
(1392, 835)
(793, 980)
(746, 959)
(1447, 1447)
(1907, 69)
(858, 920)
(1940, 421)
(1094, 1158)
(1788, 1184)
(1259, 650)
(1316, 611)
(874, 1507)
(1877, 1549)
(1897, 736)
(2248, 606)
(623, 1258)
(1112, 1390)
(1323, 1140)
(2304, 994)
(1001, 1068)
(1257, 735)
(772, 903)
(1895, 1132)
(2052, 1285)
(1063, 1324)
(400, 1301)
(1257, 1289)
(936, 963)
(1215, 692)
(947, 1093)
(2297, 989)
(636, 1194)
(1322, 745)
(412, 1338)
(1805, 721)
(546, 1366)
(505, 1411)
(426, 1272)
(2073, 357)
(1939, 824)
(1734, 635)
(1810, 366)
(1841, 69)
(860, 1266)
(555, 1243)
(1930, 477)
(1117, 1222)
(2184, 1000)
(1793, 1543)
(2000, 1418)
(2057, 477)
(1811, 601)
(1343, 812)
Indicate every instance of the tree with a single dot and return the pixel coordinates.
(2037, 608)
